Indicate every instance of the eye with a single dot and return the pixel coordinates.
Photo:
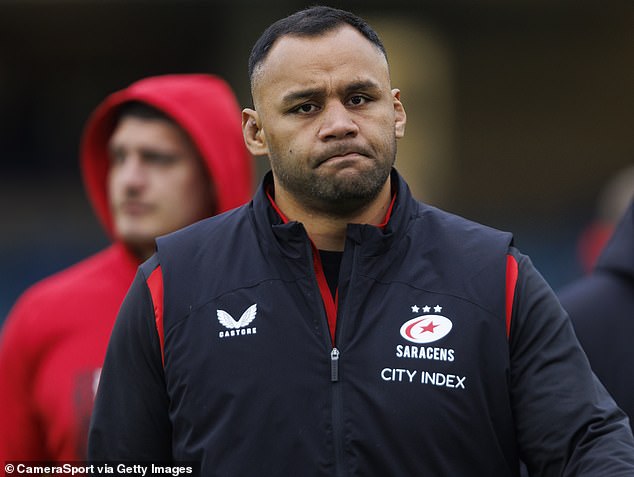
(305, 108)
(160, 158)
(116, 157)
(358, 100)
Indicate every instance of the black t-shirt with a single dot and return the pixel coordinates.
(330, 262)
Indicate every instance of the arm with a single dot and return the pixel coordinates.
(567, 424)
(130, 419)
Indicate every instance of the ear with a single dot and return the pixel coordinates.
(400, 118)
(253, 133)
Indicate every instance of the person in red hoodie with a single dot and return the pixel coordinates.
(155, 157)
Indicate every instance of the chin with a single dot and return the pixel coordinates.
(136, 240)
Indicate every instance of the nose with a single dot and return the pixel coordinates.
(337, 122)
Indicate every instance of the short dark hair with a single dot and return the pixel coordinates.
(139, 109)
(312, 21)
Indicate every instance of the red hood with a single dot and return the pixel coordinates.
(205, 107)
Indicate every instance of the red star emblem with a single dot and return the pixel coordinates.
(430, 327)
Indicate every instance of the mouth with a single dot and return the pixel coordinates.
(135, 208)
(342, 157)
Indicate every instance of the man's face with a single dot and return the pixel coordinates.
(156, 182)
(327, 119)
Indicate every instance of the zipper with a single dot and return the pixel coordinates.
(333, 324)
(330, 324)
(334, 365)
(338, 425)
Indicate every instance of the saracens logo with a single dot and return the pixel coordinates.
(426, 328)
(239, 327)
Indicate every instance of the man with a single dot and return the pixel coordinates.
(601, 307)
(336, 326)
(157, 156)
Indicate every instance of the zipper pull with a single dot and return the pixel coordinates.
(334, 365)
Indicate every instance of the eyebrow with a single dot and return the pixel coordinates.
(316, 93)
(295, 96)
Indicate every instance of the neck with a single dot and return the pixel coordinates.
(141, 252)
(328, 231)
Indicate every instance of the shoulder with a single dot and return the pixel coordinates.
(605, 295)
(448, 253)
(82, 297)
(106, 265)
(215, 228)
(441, 221)
(207, 241)
(455, 240)
(100, 276)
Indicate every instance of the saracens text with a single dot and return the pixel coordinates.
(424, 352)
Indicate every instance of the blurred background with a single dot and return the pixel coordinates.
(520, 113)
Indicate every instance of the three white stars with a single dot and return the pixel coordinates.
(426, 309)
